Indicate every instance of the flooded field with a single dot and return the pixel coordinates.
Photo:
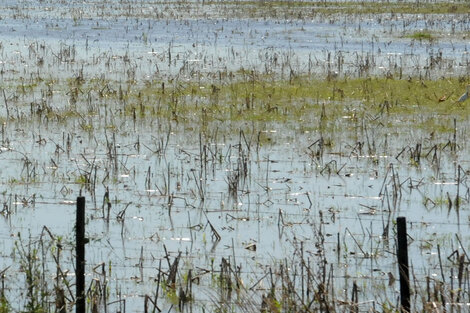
(235, 156)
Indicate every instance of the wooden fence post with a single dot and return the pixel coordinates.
(80, 256)
(403, 268)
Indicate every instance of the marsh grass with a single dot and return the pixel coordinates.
(303, 99)
(302, 9)
(422, 35)
(366, 7)
(314, 104)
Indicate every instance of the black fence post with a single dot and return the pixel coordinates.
(403, 268)
(80, 256)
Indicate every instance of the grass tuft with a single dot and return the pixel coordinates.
(422, 35)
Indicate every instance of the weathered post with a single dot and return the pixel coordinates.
(80, 256)
(403, 268)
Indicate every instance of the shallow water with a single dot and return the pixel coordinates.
(158, 171)
(101, 36)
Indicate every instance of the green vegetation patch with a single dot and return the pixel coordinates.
(422, 35)
(355, 7)
(302, 101)
(261, 97)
